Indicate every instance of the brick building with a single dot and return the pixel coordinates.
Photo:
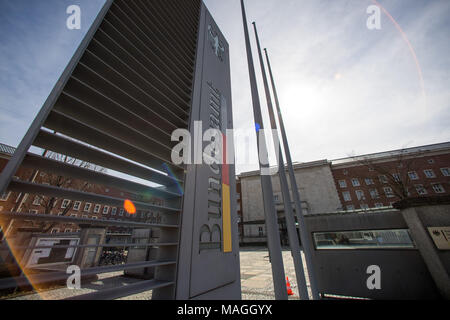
(31, 203)
(381, 179)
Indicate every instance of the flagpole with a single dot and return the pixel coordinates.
(304, 234)
(273, 236)
(288, 211)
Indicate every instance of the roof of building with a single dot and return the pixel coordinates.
(387, 154)
(5, 149)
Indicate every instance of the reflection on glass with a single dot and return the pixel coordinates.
(371, 239)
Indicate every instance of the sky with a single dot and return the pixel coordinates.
(343, 89)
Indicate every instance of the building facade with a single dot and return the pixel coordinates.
(360, 183)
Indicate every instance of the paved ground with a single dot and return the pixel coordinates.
(256, 280)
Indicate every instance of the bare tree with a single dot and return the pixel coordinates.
(49, 203)
(395, 171)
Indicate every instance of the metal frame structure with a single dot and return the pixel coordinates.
(137, 76)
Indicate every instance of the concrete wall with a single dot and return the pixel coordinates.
(317, 190)
(404, 273)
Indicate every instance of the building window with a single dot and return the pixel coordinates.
(345, 172)
(355, 182)
(364, 206)
(77, 205)
(445, 172)
(121, 212)
(5, 196)
(18, 197)
(94, 217)
(369, 181)
(396, 177)
(388, 192)
(84, 216)
(379, 205)
(430, 161)
(113, 211)
(360, 195)
(97, 208)
(65, 203)
(429, 173)
(383, 179)
(68, 230)
(374, 194)
(261, 231)
(346, 196)
(74, 215)
(370, 239)
(34, 211)
(87, 207)
(421, 190)
(276, 199)
(37, 201)
(105, 209)
(413, 175)
(343, 184)
(438, 188)
(350, 207)
(55, 230)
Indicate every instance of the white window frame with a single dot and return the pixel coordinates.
(74, 215)
(413, 175)
(54, 230)
(445, 172)
(374, 194)
(64, 204)
(419, 188)
(97, 208)
(364, 206)
(379, 205)
(88, 205)
(68, 230)
(121, 212)
(342, 184)
(350, 207)
(360, 195)
(106, 208)
(396, 177)
(383, 179)
(355, 182)
(114, 211)
(37, 201)
(369, 181)
(427, 171)
(76, 205)
(442, 190)
(347, 196)
(3, 198)
(389, 194)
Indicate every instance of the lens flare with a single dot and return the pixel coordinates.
(129, 207)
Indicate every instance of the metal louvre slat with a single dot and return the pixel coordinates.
(127, 290)
(188, 23)
(174, 55)
(98, 222)
(89, 115)
(97, 64)
(47, 190)
(162, 60)
(80, 131)
(159, 80)
(155, 22)
(168, 20)
(59, 144)
(101, 51)
(61, 168)
(41, 278)
(91, 78)
(77, 88)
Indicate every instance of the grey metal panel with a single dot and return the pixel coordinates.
(21, 150)
(205, 261)
(58, 167)
(127, 290)
(57, 143)
(404, 274)
(21, 186)
(98, 222)
(58, 276)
